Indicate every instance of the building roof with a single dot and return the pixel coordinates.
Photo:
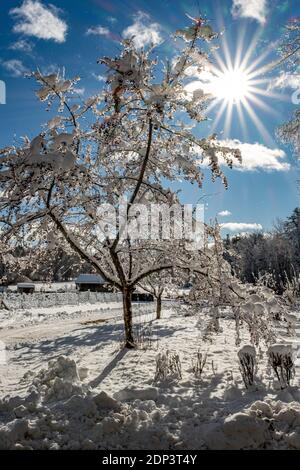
(89, 279)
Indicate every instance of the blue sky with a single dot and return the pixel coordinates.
(75, 34)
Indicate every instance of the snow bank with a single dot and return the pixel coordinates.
(239, 431)
(128, 394)
(126, 408)
(61, 412)
(265, 425)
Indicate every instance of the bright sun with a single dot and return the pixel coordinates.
(238, 87)
(232, 85)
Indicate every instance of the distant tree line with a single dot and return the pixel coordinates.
(275, 255)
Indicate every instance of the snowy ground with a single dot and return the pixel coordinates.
(94, 395)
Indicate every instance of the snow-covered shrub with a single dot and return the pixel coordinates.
(292, 290)
(212, 325)
(254, 307)
(59, 381)
(168, 366)
(282, 362)
(253, 312)
(198, 363)
(248, 364)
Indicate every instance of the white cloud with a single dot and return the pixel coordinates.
(286, 80)
(240, 226)
(22, 45)
(256, 157)
(98, 77)
(206, 82)
(15, 67)
(38, 20)
(256, 9)
(225, 213)
(143, 30)
(98, 31)
(79, 91)
(50, 69)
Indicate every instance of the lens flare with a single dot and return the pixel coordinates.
(239, 85)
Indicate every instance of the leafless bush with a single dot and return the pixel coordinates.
(3, 304)
(212, 324)
(248, 364)
(282, 362)
(214, 368)
(168, 366)
(144, 337)
(198, 363)
(292, 289)
(265, 280)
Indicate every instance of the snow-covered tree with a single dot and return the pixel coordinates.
(128, 140)
(255, 308)
(163, 282)
(290, 58)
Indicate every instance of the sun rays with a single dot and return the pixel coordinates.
(240, 87)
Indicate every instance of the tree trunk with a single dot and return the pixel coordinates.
(127, 312)
(158, 307)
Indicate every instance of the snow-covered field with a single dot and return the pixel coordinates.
(67, 383)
